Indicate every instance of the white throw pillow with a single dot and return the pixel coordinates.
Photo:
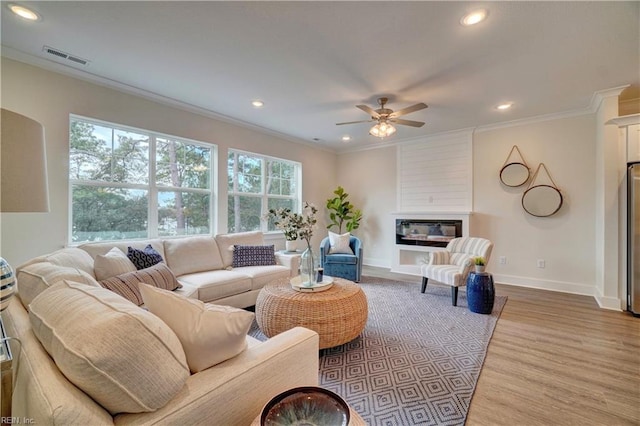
(210, 334)
(125, 358)
(115, 262)
(339, 243)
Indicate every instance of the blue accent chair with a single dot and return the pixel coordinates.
(347, 266)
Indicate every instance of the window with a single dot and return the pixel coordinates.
(129, 183)
(257, 184)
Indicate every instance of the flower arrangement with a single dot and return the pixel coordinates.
(295, 225)
(479, 261)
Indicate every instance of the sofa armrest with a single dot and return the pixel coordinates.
(235, 391)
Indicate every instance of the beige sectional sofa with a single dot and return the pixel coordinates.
(231, 393)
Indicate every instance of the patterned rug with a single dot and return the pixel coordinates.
(418, 359)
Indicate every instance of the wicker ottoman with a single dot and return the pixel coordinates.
(338, 315)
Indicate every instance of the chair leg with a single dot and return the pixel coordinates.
(424, 284)
(454, 296)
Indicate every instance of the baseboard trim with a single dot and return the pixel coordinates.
(605, 302)
(560, 286)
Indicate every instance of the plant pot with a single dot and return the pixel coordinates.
(291, 245)
(480, 268)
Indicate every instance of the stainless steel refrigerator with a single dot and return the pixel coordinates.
(633, 238)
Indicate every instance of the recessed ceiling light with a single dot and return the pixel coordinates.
(257, 103)
(505, 106)
(346, 138)
(474, 17)
(23, 12)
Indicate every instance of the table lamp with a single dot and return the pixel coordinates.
(23, 179)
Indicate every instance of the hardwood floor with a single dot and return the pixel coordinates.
(556, 359)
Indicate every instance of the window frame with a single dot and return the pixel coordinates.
(264, 195)
(151, 187)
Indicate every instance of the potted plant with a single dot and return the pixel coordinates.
(480, 263)
(342, 212)
(289, 223)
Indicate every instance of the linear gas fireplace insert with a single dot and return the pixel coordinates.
(419, 232)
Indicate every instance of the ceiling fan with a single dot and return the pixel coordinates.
(385, 118)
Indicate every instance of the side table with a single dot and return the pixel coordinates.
(291, 259)
(480, 292)
(6, 379)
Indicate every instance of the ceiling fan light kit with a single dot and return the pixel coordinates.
(382, 130)
(385, 118)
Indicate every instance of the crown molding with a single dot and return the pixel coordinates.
(17, 55)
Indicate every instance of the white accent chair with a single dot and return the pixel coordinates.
(453, 265)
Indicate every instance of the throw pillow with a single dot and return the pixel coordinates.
(253, 256)
(339, 243)
(123, 357)
(115, 262)
(144, 258)
(210, 334)
(126, 285)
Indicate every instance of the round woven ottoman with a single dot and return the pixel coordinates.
(338, 314)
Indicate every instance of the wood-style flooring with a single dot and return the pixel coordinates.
(555, 359)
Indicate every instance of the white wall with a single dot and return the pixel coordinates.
(369, 176)
(566, 241)
(49, 98)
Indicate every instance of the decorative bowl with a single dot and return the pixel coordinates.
(312, 406)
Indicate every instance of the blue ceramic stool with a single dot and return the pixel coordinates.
(480, 292)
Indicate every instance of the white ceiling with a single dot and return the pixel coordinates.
(312, 62)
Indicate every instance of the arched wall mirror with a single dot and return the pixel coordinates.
(514, 172)
(542, 200)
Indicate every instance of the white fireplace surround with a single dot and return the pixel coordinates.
(407, 259)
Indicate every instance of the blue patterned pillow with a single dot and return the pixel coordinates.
(144, 258)
(253, 256)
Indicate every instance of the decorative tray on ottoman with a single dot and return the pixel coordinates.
(306, 406)
(296, 284)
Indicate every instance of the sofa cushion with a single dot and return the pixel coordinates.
(214, 285)
(261, 275)
(253, 255)
(123, 357)
(71, 257)
(126, 285)
(35, 278)
(115, 262)
(94, 249)
(192, 254)
(339, 243)
(210, 334)
(227, 241)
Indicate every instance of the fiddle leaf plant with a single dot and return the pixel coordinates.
(342, 212)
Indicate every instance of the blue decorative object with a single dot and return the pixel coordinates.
(480, 292)
(306, 406)
(7, 284)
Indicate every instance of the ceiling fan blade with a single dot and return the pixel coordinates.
(354, 122)
(369, 110)
(407, 110)
(407, 122)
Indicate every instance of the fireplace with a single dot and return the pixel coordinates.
(427, 232)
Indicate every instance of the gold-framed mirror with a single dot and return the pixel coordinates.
(542, 200)
(514, 173)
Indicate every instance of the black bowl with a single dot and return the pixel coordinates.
(310, 406)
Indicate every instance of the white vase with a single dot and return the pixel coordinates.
(290, 245)
(480, 268)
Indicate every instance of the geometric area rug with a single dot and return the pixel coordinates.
(418, 359)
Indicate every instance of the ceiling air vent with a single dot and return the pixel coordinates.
(63, 55)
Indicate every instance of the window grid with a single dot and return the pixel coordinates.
(239, 171)
(153, 190)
